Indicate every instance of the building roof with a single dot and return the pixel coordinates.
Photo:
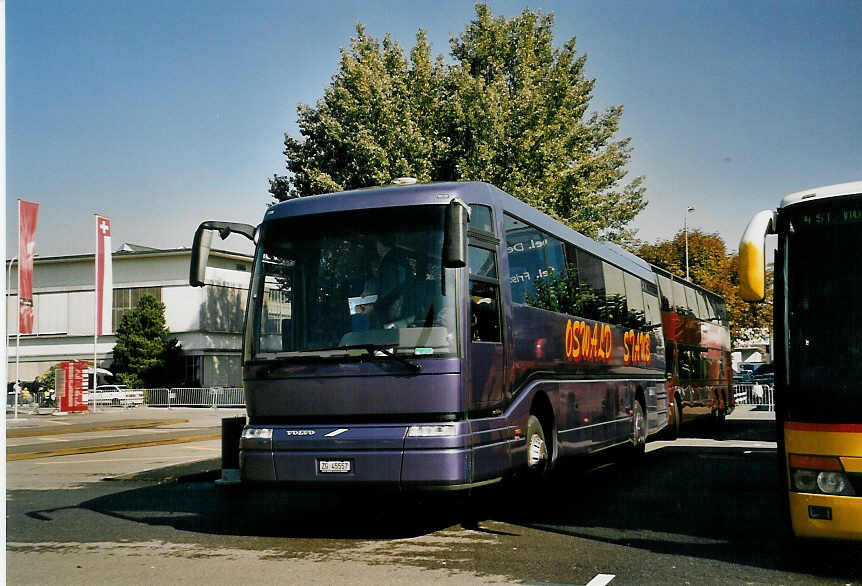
(137, 250)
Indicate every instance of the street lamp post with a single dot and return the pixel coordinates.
(685, 229)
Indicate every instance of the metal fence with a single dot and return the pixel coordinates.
(755, 394)
(195, 397)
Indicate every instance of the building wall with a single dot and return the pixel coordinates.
(206, 321)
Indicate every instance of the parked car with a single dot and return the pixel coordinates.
(764, 374)
(117, 395)
(743, 377)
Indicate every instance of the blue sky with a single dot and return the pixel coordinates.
(162, 114)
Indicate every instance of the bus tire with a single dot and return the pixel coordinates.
(718, 417)
(639, 429)
(677, 419)
(537, 450)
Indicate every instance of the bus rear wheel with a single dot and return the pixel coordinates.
(639, 429)
(677, 419)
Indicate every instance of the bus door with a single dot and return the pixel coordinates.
(487, 359)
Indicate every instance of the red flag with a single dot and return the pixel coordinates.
(104, 276)
(27, 213)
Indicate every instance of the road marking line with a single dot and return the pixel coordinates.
(52, 439)
(87, 427)
(204, 448)
(110, 447)
(109, 460)
(601, 580)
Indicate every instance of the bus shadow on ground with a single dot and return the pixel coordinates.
(719, 503)
(199, 506)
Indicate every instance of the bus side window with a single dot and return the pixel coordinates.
(535, 259)
(670, 359)
(481, 218)
(484, 312)
(679, 301)
(651, 304)
(484, 295)
(666, 289)
(591, 282)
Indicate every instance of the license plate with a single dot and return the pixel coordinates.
(336, 466)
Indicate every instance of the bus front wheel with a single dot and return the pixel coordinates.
(537, 448)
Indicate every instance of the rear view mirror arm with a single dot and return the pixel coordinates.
(203, 241)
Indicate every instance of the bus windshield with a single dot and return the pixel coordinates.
(353, 283)
(825, 312)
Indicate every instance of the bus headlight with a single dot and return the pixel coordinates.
(834, 483)
(819, 475)
(805, 480)
(256, 438)
(446, 430)
(257, 433)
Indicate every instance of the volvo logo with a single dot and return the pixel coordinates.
(300, 432)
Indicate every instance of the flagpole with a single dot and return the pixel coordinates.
(96, 310)
(18, 319)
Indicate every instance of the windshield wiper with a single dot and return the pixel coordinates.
(385, 350)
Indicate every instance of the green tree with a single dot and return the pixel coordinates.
(713, 268)
(49, 378)
(145, 355)
(510, 109)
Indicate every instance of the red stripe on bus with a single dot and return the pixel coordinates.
(824, 427)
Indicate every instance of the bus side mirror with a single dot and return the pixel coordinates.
(752, 257)
(203, 242)
(455, 235)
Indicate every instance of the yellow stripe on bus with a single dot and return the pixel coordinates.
(823, 443)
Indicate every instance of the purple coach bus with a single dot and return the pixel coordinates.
(438, 336)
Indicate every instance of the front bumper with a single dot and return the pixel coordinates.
(377, 455)
(846, 513)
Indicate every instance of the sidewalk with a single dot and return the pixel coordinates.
(756, 412)
(45, 434)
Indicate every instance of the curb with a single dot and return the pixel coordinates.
(202, 470)
(108, 447)
(90, 427)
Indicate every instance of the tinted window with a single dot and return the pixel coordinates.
(591, 273)
(692, 364)
(634, 293)
(533, 255)
(481, 219)
(482, 262)
(666, 288)
(679, 301)
(484, 312)
(651, 303)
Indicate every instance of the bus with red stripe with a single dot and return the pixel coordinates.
(818, 352)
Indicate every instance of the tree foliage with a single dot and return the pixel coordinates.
(711, 267)
(509, 109)
(145, 355)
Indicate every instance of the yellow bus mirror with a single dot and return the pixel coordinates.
(752, 257)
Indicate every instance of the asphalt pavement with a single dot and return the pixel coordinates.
(45, 433)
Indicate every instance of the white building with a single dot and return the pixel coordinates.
(207, 321)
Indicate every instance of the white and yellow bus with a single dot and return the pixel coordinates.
(818, 352)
